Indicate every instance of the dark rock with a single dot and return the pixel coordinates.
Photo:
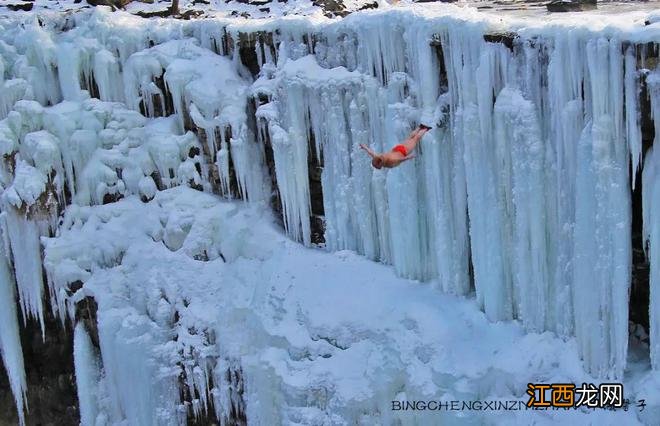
(74, 286)
(189, 14)
(314, 171)
(254, 2)
(112, 198)
(86, 310)
(113, 4)
(51, 393)
(648, 55)
(571, 5)
(158, 180)
(317, 227)
(331, 8)
(372, 5)
(171, 12)
(269, 157)
(646, 116)
(193, 152)
(242, 14)
(155, 14)
(638, 302)
(506, 39)
(436, 43)
(20, 6)
(247, 43)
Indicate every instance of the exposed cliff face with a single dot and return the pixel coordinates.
(49, 376)
(526, 192)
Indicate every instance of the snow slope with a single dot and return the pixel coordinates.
(320, 338)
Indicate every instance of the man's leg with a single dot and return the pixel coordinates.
(414, 139)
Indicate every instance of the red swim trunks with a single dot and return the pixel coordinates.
(400, 148)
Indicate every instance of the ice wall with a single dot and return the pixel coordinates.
(527, 169)
(521, 192)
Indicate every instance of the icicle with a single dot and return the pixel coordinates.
(106, 71)
(334, 137)
(651, 218)
(651, 209)
(41, 52)
(86, 366)
(363, 213)
(138, 391)
(602, 225)
(227, 391)
(470, 59)
(26, 251)
(12, 91)
(633, 130)
(566, 121)
(10, 342)
(69, 70)
(222, 162)
(520, 154)
(247, 157)
(290, 154)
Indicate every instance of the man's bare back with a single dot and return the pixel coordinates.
(399, 153)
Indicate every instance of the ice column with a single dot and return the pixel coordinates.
(10, 342)
(443, 206)
(651, 201)
(290, 154)
(651, 215)
(26, 252)
(602, 251)
(137, 391)
(519, 152)
(106, 74)
(562, 126)
(473, 81)
(87, 375)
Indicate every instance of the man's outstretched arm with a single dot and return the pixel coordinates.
(369, 150)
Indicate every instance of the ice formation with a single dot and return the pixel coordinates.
(532, 136)
(651, 209)
(10, 342)
(520, 192)
(87, 375)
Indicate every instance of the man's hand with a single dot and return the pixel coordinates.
(366, 148)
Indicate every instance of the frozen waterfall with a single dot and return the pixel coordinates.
(520, 193)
